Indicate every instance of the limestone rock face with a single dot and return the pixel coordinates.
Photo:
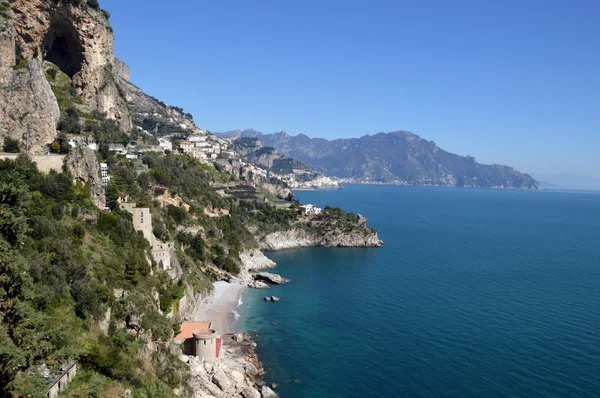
(28, 108)
(123, 71)
(278, 191)
(268, 393)
(301, 238)
(221, 380)
(79, 40)
(7, 43)
(84, 166)
(250, 392)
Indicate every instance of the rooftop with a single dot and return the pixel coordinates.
(188, 328)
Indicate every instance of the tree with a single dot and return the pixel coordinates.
(11, 145)
(55, 147)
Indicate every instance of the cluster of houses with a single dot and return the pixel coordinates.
(309, 182)
(199, 146)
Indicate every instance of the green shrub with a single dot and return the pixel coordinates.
(11, 145)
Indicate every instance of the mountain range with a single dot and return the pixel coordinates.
(399, 157)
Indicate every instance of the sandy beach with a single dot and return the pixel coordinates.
(219, 309)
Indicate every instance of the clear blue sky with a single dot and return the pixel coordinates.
(513, 82)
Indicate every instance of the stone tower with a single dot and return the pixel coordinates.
(205, 343)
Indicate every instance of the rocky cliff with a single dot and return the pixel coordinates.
(77, 38)
(297, 237)
(28, 108)
(84, 166)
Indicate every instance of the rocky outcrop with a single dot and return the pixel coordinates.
(278, 191)
(151, 114)
(297, 237)
(78, 39)
(232, 375)
(122, 70)
(258, 285)
(268, 393)
(84, 166)
(28, 108)
(7, 43)
(252, 261)
(273, 278)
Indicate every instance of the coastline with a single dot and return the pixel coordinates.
(220, 309)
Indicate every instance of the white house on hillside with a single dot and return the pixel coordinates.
(312, 209)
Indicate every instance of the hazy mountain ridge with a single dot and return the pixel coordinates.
(398, 157)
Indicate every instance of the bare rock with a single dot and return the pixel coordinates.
(104, 323)
(29, 111)
(275, 299)
(250, 392)
(79, 40)
(268, 393)
(268, 298)
(84, 166)
(237, 377)
(258, 285)
(273, 278)
(221, 380)
(251, 369)
(184, 358)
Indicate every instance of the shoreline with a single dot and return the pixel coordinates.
(220, 309)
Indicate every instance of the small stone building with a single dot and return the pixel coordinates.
(56, 386)
(200, 340)
(162, 252)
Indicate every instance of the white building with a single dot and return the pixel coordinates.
(104, 173)
(312, 209)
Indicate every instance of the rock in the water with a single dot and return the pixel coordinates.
(267, 298)
(274, 386)
(273, 278)
(251, 369)
(258, 285)
(268, 393)
(275, 299)
(221, 380)
(250, 392)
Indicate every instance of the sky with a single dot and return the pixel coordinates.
(510, 82)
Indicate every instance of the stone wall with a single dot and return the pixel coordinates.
(45, 163)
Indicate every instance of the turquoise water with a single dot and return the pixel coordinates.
(478, 293)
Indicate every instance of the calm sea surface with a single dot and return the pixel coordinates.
(479, 293)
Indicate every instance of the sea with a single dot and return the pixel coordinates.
(478, 293)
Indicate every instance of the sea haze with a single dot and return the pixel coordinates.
(478, 293)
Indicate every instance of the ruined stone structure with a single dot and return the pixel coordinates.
(142, 219)
(162, 252)
(61, 383)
